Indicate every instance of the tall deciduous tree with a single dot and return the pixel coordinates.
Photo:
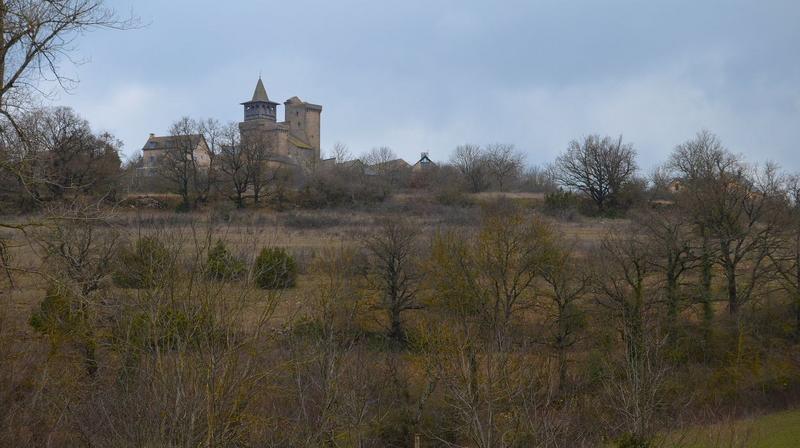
(623, 265)
(786, 257)
(597, 166)
(59, 154)
(394, 272)
(233, 164)
(669, 236)
(36, 37)
(504, 164)
(470, 161)
(737, 210)
(257, 153)
(567, 285)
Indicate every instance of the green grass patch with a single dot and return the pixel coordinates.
(778, 430)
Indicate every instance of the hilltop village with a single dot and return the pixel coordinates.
(293, 144)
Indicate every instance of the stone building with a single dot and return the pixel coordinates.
(294, 141)
(156, 147)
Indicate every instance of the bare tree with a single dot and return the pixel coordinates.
(470, 160)
(636, 395)
(537, 179)
(492, 274)
(379, 158)
(187, 163)
(598, 167)
(389, 171)
(504, 164)
(78, 249)
(214, 134)
(697, 166)
(670, 238)
(258, 153)
(341, 153)
(395, 273)
(58, 154)
(737, 209)
(233, 163)
(76, 159)
(567, 285)
(786, 257)
(35, 37)
(623, 265)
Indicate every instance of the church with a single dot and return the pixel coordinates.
(294, 142)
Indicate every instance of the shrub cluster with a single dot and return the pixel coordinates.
(142, 265)
(275, 269)
(222, 265)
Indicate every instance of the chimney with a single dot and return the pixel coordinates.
(152, 135)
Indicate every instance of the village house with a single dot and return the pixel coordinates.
(423, 164)
(194, 146)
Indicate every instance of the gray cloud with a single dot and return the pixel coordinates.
(428, 75)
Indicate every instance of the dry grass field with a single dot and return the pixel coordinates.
(304, 233)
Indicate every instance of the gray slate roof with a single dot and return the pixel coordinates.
(260, 94)
(171, 141)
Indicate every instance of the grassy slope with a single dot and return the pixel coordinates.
(778, 430)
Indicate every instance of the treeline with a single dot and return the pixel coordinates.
(53, 154)
(56, 155)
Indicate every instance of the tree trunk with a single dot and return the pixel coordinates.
(396, 332)
(635, 324)
(239, 199)
(562, 367)
(705, 287)
(733, 298)
(797, 317)
(3, 52)
(672, 307)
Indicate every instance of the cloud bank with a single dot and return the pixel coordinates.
(429, 75)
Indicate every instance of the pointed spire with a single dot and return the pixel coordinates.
(260, 94)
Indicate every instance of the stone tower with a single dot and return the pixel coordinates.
(296, 140)
(303, 120)
(260, 107)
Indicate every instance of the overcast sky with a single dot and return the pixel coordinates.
(430, 75)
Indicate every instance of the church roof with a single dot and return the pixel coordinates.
(172, 141)
(260, 94)
(299, 143)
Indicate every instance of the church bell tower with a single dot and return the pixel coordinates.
(260, 107)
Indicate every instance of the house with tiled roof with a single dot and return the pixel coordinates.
(194, 146)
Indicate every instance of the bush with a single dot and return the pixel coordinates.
(143, 265)
(275, 269)
(561, 203)
(222, 265)
(172, 328)
(55, 316)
